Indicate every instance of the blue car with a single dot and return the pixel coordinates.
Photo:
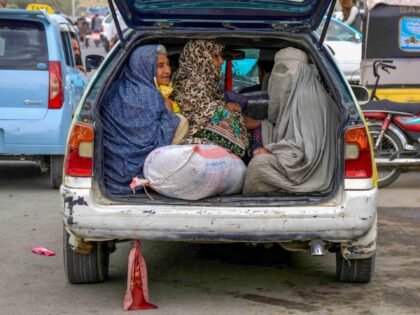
(40, 87)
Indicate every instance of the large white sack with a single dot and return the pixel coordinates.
(193, 172)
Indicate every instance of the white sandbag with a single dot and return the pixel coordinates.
(193, 172)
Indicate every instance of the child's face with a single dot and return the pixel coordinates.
(163, 70)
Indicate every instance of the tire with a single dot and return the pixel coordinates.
(390, 144)
(56, 170)
(354, 270)
(85, 268)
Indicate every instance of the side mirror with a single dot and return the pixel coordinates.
(93, 61)
(357, 38)
(361, 93)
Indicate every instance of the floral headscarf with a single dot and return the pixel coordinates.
(196, 85)
(196, 88)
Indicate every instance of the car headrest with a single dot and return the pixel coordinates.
(14, 42)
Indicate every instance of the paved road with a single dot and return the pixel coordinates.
(202, 279)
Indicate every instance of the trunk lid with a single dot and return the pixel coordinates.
(233, 14)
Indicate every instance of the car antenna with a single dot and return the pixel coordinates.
(327, 22)
(117, 24)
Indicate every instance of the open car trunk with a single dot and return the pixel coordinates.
(174, 44)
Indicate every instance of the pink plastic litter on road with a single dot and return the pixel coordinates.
(42, 251)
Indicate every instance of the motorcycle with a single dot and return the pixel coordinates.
(395, 131)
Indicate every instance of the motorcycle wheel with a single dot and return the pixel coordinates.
(389, 145)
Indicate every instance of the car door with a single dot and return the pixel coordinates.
(74, 79)
(79, 78)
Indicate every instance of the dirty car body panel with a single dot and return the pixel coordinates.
(342, 219)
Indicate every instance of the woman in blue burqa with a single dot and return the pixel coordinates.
(136, 119)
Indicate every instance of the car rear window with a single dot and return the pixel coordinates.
(23, 45)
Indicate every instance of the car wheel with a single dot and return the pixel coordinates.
(85, 268)
(354, 270)
(56, 170)
(389, 145)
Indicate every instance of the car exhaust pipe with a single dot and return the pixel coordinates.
(398, 163)
(317, 248)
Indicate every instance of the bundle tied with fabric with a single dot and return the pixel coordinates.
(192, 172)
(300, 131)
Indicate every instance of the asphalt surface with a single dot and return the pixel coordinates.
(202, 279)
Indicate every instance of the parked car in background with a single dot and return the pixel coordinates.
(40, 87)
(346, 45)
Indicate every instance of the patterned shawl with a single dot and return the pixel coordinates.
(196, 87)
(135, 121)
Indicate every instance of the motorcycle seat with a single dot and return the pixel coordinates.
(390, 106)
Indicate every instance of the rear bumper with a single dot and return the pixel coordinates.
(353, 216)
(32, 150)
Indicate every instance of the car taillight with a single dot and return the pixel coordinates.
(358, 153)
(79, 155)
(56, 96)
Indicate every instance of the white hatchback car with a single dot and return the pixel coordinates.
(108, 30)
(342, 221)
(346, 45)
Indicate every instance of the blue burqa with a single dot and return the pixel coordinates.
(135, 121)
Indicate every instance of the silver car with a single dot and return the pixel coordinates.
(342, 221)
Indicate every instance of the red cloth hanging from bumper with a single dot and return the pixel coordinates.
(137, 295)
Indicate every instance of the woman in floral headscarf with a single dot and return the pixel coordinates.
(197, 91)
